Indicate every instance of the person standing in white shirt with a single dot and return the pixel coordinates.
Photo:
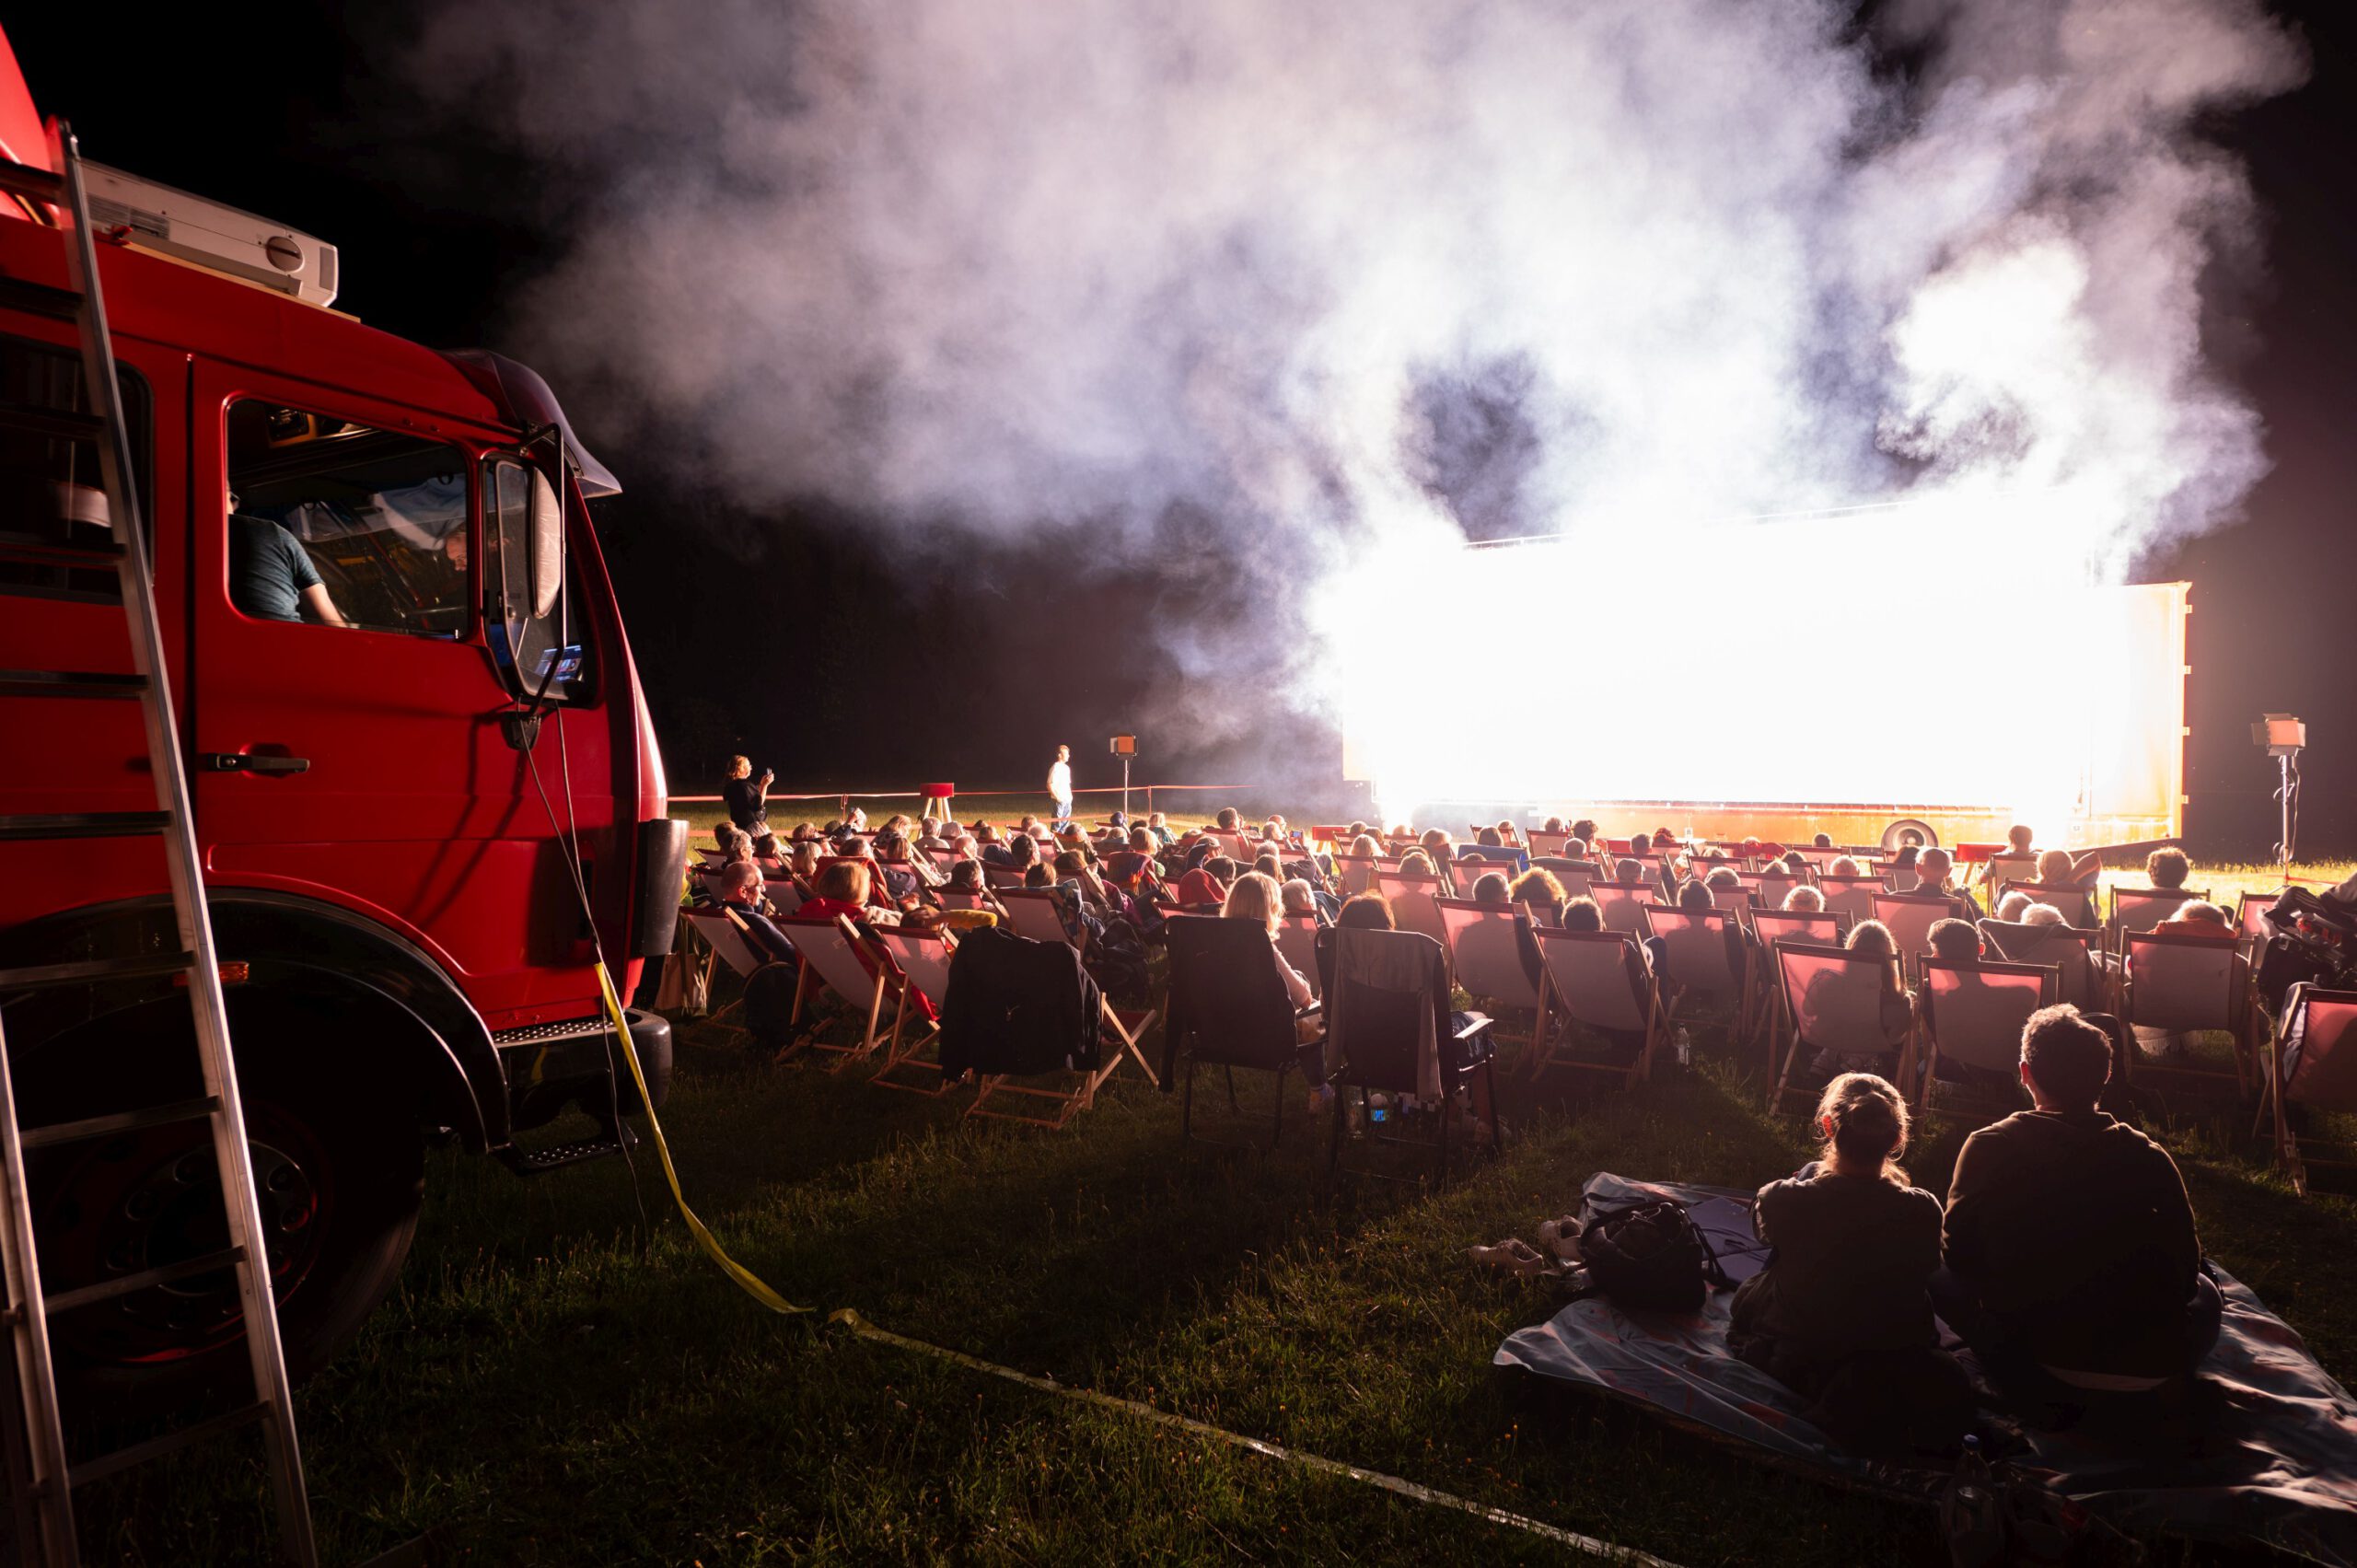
(1059, 782)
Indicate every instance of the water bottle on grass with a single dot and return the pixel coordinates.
(1971, 1515)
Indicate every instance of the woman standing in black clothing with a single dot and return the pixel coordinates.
(747, 797)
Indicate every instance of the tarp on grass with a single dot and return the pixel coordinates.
(2279, 1464)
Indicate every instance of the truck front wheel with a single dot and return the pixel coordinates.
(338, 1171)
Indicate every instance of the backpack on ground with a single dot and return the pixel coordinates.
(1649, 1255)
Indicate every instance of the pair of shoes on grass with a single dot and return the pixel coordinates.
(1561, 1237)
(1512, 1256)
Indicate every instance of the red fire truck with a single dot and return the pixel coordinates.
(427, 794)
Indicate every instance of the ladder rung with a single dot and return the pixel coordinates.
(118, 1121)
(23, 180)
(35, 977)
(85, 825)
(40, 299)
(64, 424)
(42, 552)
(69, 683)
(122, 1459)
(123, 1284)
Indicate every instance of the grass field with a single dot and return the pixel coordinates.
(559, 1382)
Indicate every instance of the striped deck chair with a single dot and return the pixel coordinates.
(2314, 1065)
(1484, 955)
(1972, 1014)
(831, 952)
(1623, 906)
(1832, 1000)
(727, 942)
(2187, 984)
(1696, 957)
(1037, 912)
(1412, 898)
(1599, 979)
(1852, 896)
(922, 958)
(2076, 902)
(2140, 909)
(1578, 876)
(1910, 917)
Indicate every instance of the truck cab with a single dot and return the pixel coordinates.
(425, 812)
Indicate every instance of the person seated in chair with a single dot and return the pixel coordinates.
(1872, 938)
(1256, 897)
(1843, 1315)
(1933, 873)
(1694, 898)
(2072, 1266)
(1538, 895)
(1805, 900)
(1491, 888)
(2060, 868)
(1584, 913)
(740, 891)
(1207, 884)
(2198, 917)
(1489, 847)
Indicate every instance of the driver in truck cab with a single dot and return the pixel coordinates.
(270, 574)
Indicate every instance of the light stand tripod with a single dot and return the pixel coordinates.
(2284, 737)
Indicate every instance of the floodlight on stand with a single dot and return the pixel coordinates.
(2283, 736)
(1125, 747)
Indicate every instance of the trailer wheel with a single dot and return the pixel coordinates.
(1907, 831)
(338, 1171)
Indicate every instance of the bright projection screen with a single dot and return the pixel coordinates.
(1518, 673)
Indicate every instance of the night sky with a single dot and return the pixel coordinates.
(800, 639)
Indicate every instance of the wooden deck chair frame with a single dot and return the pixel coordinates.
(2048, 981)
(2241, 1020)
(2300, 1013)
(1125, 1032)
(1675, 929)
(835, 946)
(1789, 1018)
(1553, 1001)
(922, 958)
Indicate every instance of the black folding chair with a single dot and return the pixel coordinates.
(1375, 1023)
(1228, 1007)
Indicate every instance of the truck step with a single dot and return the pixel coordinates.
(556, 1157)
(85, 825)
(69, 683)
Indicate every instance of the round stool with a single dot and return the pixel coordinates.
(944, 793)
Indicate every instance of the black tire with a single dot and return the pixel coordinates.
(339, 1170)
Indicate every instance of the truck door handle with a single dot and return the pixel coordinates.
(249, 762)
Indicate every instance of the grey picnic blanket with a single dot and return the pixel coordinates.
(2279, 1464)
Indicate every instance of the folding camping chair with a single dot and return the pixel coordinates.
(1623, 906)
(1389, 1031)
(1852, 896)
(2250, 921)
(1484, 954)
(1599, 979)
(1909, 917)
(1297, 940)
(922, 958)
(829, 951)
(1972, 1014)
(1227, 1007)
(1832, 1000)
(2183, 984)
(2076, 902)
(2312, 1064)
(1698, 959)
(1578, 876)
(1412, 898)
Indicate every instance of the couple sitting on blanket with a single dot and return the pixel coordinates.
(2065, 1258)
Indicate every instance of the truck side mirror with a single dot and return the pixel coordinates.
(548, 546)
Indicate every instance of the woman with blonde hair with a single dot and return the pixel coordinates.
(1872, 938)
(1256, 898)
(1843, 1315)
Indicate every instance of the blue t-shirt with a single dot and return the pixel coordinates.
(269, 569)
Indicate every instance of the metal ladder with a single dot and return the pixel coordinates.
(28, 1310)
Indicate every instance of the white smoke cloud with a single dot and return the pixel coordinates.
(1297, 279)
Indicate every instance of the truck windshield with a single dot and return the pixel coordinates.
(380, 519)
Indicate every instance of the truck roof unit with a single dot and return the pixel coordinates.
(210, 235)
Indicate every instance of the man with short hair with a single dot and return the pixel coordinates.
(1932, 868)
(740, 890)
(1060, 783)
(2167, 868)
(2073, 1264)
